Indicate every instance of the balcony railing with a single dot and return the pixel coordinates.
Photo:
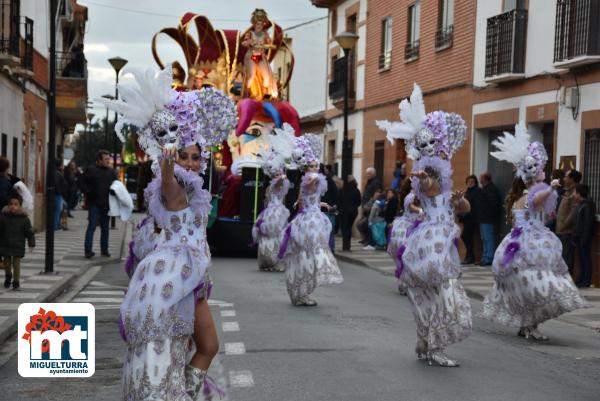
(71, 65)
(336, 86)
(444, 36)
(411, 50)
(577, 32)
(385, 60)
(9, 27)
(505, 45)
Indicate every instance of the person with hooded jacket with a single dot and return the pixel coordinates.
(583, 232)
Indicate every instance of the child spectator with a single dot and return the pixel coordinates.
(15, 228)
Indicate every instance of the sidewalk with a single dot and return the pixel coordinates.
(477, 281)
(69, 264)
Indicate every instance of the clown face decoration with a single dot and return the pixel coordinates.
(299, 157)
(426, 143)
(165, 129)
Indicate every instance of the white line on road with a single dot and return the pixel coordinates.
(241, 378)
(231, 326)
(228, 313)
(101, 292)
(99, 300)
(235, 349)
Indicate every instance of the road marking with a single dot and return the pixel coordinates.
(241, 378)
(235, 349)
(227, 313)
(231, 326)
(98, 300)
(107, 307)
(19, 295)
(100, 292)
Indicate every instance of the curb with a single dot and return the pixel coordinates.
(358, 262)
(10, 327)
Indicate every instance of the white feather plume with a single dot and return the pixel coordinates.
(412, 115)
(150, 93)
(283, 141)
(512, 148)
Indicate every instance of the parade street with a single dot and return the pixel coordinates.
(357, 344)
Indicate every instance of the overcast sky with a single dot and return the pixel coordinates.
(125, 28)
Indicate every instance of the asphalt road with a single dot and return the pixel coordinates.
(356, 345)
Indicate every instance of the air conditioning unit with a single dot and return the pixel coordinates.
(571, 97)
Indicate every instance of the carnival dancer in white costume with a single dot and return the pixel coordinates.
(428, 262)
(306, 256)
(532, 282)
(271, 222)
(165, 319)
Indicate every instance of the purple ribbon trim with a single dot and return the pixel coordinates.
(413, 227)
(516, 232)
(130, 260)
(285, 242)
(122, 328)
(211, 388)
(456, 243)
(509, 252)
(399, 262)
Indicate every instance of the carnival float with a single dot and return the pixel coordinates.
(239, 64)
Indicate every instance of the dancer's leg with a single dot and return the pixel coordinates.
(205, 336)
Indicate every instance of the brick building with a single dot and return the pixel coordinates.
(24, 83)
(485, 60)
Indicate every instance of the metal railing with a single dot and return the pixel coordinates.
(577, 29)
(591, 168)
(505, 43)
(411, 50)
(385, 60)
(444, 36)
(336, 85)
(71, 65)
(10, 14)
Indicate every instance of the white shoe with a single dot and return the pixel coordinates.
(369, 248)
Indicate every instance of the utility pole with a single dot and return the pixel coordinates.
(50, 166)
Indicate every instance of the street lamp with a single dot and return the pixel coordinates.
(88, 132)
(106, 121)
(346, 40)
(117, 64)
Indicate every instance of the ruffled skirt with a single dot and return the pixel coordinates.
(442, 315)
(268, 233)
(308, 260)
(529, 297)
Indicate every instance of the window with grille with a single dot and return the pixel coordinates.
(412, 45)
(385, 51)
(445, 28)
(591, 168)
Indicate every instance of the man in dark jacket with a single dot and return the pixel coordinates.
(490, 213)
(5, 182)
(350, 201)
(95, 183)
(470, 220)
(584, 231)
(60, 193)
(331, 198)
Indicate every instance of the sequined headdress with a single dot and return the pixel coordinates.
(425, 134)
(529, 158)
(167, 118)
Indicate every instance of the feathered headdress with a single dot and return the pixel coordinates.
(529, 158)
(308, 149)
(284, 142)
(425, 134)
(167, 118)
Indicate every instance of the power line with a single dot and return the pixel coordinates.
(129, 10)
(304, 23)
